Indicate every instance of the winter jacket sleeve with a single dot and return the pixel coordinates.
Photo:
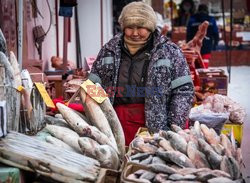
(182, 90)
(96, 70)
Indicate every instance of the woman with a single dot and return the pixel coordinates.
(145, 74)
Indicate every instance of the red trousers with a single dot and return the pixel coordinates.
(132, 117)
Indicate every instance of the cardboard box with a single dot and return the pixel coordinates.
(237, 130)
(213, 81)
(108, 176)
(129, 169)
(142, 132)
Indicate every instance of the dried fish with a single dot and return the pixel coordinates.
(65, 134)
(60, 143)
(56, 121)
(105, 154)
(114, 123)
(95, 114)
(82, 127)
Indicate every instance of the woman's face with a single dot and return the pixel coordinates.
(136, 33)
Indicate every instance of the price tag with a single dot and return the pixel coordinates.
(95, 92)
(45, 95)
(20, 88)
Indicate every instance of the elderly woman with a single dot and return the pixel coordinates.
(145, 75)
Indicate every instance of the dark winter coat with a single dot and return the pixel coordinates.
(167, 71)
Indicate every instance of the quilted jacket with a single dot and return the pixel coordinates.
(167, 71)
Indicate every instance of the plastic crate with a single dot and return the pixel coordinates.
(237, 130)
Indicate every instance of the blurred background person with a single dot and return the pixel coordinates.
(212, 37)
(186, 10)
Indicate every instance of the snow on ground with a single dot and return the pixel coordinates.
(239, 91)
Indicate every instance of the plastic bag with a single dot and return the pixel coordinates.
(208, 117)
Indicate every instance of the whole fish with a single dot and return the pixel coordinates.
(184, 135)
(139, 156)
(197, 157)
(213, 158)
(105, 154)
(179, 177)
(176, 128)
(208, 135)
(225, 142)
(95, 114)
(160, 168)
(16, 70)
(139, 145)
(114, 123)
(197, 129)
(82, 127)
(3, 47)
(186, 171)
(220, 180)
(158, 160)
(65, 134)
(147, 161)
(176, 157)
(160, 178)
(59, 143)
(165, 144)
(215, 135)
(220, 173)
(55, 121)
(8, 68)
(218, 148)
(238, 156)
(231, 166)
(177, 141)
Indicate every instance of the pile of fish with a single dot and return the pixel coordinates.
(196, 154)
(98, 135)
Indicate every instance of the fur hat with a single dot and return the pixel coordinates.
(138, 14)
